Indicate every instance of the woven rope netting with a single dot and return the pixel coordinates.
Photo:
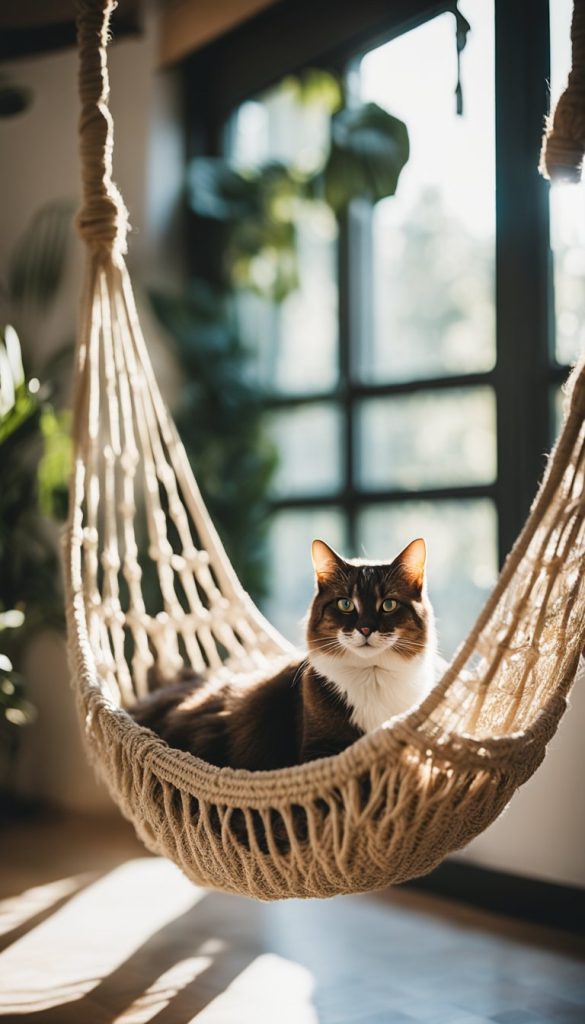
(395, 803)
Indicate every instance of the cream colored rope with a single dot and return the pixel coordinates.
(103, 218)
(395, 803)
(564, 140)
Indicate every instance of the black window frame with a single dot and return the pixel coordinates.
(296, 33)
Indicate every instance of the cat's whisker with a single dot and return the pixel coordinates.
(407, 647)
(408, 641)
(323, 640)
(329, 646)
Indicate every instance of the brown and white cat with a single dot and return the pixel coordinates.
(371, 655)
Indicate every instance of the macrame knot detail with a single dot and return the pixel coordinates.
(103, 225)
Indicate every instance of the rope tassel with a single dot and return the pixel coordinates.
(563, 145)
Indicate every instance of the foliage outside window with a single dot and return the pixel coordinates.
(379, 364)
(261, 217)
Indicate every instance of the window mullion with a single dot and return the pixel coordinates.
(346, 303)
(522, 259)
(355, 330)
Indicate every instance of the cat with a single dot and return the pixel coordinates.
(371, 655)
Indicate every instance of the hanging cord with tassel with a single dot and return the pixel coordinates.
(462, 28)
(103, 218)
(563, 145)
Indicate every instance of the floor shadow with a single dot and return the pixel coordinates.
(7, 938)
(211, 918)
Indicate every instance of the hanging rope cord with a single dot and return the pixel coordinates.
(103, 218)
(392, 805)
(563, 146)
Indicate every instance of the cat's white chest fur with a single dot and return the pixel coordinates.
(381, 688)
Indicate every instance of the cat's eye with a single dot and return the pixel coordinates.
(389, 605)
(345, 604)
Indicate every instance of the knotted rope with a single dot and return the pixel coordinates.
(563, 145)
(103, 218)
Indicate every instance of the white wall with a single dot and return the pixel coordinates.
(39, 148)
(52, 766)
(40, 161)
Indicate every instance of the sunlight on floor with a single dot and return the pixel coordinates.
(270, 989)
(69, 954)
(164, 989)
(22, 908)
(96, 944)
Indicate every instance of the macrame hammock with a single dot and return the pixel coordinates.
(391, 806)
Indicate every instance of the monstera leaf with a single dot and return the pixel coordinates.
(217, 190)
(369, 148)
(261, 207)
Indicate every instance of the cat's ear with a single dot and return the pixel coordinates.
(325, 560)
(412, 562)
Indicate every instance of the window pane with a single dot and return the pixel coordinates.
(557, 399)
(293, 342)
(567, 211)
(462, 559)
(434, 240)
(308, 440)
(279, 125)
(290, 567)
(429, 439)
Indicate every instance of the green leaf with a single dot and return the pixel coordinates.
(28, 561)
(316, 86)
(369, 148)
(279, 189)
(37, 266)
(216, 190)
(14, 354)
(17, 405)
(54, 468)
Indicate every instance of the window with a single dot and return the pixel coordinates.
(408, 372)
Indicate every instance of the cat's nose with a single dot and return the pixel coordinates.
(365, 630)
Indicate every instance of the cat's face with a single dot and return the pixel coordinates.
(364, 609)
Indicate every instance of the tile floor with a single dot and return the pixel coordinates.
(92, 931)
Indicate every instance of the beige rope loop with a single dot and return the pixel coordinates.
(563, 145)
(103, 218)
